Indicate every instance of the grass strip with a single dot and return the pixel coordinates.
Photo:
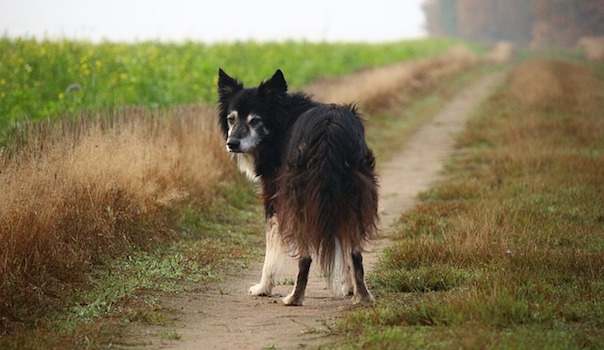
(507, 251)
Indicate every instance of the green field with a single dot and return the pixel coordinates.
(41, 79)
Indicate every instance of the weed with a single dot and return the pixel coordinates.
(288, 281)
(170, 335)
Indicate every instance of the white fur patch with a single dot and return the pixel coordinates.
(339, 270)
(272, 260)
(246, 163)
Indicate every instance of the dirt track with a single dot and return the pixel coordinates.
(228, 318)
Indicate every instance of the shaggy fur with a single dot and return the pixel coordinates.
(317, 180)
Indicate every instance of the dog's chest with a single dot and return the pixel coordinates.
(247, 165)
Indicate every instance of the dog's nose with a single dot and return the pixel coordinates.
(233, 144)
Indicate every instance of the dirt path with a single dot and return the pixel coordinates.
(228, 318)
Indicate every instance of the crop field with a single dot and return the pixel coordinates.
(507, 251)
(42, 79)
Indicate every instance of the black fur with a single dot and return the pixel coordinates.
(315, 169)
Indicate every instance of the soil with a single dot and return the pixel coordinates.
(226, 317)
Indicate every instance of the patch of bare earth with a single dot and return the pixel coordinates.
(226, 317)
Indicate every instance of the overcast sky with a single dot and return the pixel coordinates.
(211, 21)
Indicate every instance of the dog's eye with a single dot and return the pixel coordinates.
(254, 121)
(230, 119)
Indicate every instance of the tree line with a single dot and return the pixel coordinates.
(526, 23)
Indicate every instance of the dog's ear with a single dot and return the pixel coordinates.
(274, 87)
(227, 86)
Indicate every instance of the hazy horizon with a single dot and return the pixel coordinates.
(181, 20)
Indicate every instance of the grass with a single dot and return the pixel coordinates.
(506, 251)
(46, 79)
(416, 103)
(287, 281)
(171, 335)
(104, 210)
(396, 99)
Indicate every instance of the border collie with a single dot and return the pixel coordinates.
(316, 176)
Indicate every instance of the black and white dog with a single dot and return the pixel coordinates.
(316, 176)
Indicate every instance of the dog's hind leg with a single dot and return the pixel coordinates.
(296, 297)
(348, 284)
(361, 293)
(272, 259)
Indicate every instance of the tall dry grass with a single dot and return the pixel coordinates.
(74, 195)
(378, 89)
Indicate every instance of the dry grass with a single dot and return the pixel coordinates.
(593, 47)
(378, 89)
(555, 84)
(74, 196)
(502, 52)
(397, 99)
(506, 251)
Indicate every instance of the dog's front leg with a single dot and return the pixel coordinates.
(274, 254)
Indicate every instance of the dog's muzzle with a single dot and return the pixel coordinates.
(233, 145)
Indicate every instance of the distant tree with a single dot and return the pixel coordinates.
(495, 20)
(562, 22)
(441, 17)
(523, 22)
(514, 21)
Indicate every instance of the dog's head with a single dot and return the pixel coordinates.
(246, 115)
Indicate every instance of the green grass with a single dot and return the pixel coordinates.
(507, 250)
(42, 79)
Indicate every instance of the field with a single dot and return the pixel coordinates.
(108, 195)
(48, 79)
(107, 200)
(506, 251)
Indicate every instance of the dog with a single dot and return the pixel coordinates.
(316, 176)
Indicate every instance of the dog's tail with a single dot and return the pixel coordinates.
(327, 203)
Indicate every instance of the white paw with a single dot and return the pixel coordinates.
(346, 289)
(259, 290)
(291, 301)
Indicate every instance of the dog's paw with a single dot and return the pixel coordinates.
(291, 301)
(347, 290)
(259, 290)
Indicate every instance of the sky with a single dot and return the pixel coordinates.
(213, 21)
